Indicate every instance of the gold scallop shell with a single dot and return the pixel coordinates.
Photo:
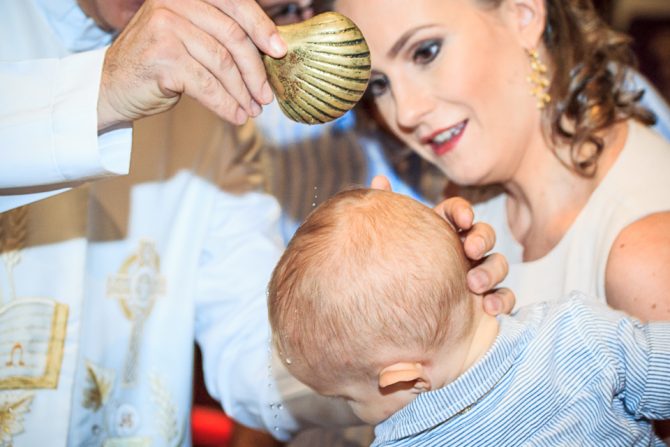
(325, 71)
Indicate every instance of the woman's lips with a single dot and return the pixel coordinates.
(445, 140)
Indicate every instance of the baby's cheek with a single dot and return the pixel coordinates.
(370, 414)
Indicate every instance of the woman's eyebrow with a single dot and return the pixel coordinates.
(400, 43)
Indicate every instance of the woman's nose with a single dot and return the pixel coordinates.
(412, 103)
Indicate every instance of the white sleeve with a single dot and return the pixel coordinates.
(48, 128)
(231, 326)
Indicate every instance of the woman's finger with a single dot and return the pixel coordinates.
(380, 182)
(457, 211)
(499, 301)
(479, 240)
(487, 275)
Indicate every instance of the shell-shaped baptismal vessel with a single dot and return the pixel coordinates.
(325, 71)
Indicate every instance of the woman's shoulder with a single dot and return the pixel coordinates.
(638, 233)
(637, 278)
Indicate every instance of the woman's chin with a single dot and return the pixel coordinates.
(461, 175)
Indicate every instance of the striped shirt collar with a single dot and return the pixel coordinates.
(460, 395)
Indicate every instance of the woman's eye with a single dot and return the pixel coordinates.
(426, 52)
(378, 86)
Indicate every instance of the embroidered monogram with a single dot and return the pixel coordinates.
(137, 286)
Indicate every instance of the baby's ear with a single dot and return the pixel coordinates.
(412, 374)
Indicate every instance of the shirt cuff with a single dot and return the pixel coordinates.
(655, 400)
(79, 151)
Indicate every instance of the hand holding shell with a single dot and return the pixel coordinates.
(325, 71)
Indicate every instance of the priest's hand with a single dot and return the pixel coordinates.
(206, 49)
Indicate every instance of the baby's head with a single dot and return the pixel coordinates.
(370, 301)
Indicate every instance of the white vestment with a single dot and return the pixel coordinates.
(103, 287)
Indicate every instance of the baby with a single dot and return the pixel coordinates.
(369, 303)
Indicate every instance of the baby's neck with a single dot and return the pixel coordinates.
(483, 337)
(469, 351)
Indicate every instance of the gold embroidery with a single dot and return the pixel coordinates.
(17, 350)
(13, 407)
(32, 330)
(13, 231)
(98, 386)
(32, 335)
(137, 286)
(166, 412)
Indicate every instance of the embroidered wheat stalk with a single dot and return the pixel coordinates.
(13, 408)
(98, 386)
(13, 233)
(166, 412)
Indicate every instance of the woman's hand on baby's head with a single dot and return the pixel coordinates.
(483, 279)
(380, 182)
(478, 239)
(499, 301)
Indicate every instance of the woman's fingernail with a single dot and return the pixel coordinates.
(471, 215)
(478, 281)
(481, 245)
(495, 306)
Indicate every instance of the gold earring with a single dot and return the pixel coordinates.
(538, 79)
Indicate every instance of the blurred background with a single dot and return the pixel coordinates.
(648, 23)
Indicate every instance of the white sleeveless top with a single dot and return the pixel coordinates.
(637, 185)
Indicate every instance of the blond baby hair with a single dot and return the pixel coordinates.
(368, 270)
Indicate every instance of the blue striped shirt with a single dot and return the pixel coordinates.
(569, 373)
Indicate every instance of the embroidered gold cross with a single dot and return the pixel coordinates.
(137, 286)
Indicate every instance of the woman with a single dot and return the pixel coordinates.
(531, 95)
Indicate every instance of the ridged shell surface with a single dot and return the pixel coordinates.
(325, 71)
